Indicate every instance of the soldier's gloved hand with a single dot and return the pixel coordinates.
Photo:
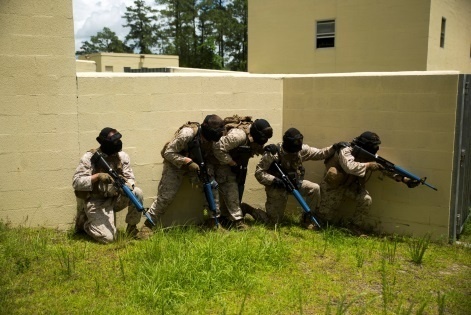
(340, 145)
(235, 169)
(373, 166)
(411, 183)
(278, 183)
(193, 167)
(105, 178)
(272, 148)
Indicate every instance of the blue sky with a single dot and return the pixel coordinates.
(90, 16)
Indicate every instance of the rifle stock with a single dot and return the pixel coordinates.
(391, 167)
(119, 182)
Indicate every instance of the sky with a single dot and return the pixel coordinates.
(91, 16)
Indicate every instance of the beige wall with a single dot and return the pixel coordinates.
(38, 114)
(456, 55)
(370, 36)
(148, 108)
(413, 113)
(49, 117)
(114, 62)
(85, 66)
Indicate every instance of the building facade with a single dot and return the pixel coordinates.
(317, 36)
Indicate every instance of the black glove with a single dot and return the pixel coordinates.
(278, 183)
(272, 148)
(340, 145)
(235, 169)
(412, 183)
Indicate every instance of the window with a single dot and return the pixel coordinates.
(325, 34)
(442, 33)
(108, 68)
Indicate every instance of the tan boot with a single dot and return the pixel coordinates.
(307, 223)
(147, 230)
(241, 226)
(131, 230)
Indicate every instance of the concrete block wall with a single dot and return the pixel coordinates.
(148, 108)
(413, 113)
(49, 116)
(38, 119)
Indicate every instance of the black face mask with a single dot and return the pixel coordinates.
(292, 144)
(112, 145)
(370, 147)
(211, 134)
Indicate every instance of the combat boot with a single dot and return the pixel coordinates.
(240, 225)
(307, 223)
(132, 231)
(146, 231)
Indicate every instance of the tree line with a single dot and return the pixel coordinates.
(208, 34)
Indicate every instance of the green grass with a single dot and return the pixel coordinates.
(286, 270)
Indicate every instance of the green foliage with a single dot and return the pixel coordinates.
(286, 270)
(417, 248)
(104, 41)
(141, 20)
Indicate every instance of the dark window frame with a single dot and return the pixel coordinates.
(442, 32)
(325, 34)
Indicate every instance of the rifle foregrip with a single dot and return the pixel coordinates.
(208, 193)
(301, 200)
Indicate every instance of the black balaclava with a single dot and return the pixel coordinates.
(109, 145)
(261, 131)
(212, 128)
(368, 141)
(292, 140)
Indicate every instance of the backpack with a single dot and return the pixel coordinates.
(236, 121)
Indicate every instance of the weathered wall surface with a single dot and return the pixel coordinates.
(49, 116)
(456, 53)
(38, 117)
(413, 113)
(148, 108)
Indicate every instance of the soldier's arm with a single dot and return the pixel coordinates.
(177, 145)
(310, 153)
(232, 140)
(82, 179)
(349, 165)
(261, 171)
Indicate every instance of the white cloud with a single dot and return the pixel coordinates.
(91, 16)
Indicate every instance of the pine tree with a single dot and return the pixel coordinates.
(104, 41)
(141, 20)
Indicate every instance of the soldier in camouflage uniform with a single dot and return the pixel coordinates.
(290, 155)
(243, 140)
(180, 161)
(98, 200)
(345, 177)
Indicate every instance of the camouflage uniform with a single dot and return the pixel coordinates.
(227, 150)
(99, 202)
(344, 178)
(291, 164)
(175, 154)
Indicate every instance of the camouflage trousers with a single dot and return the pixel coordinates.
(229, 202)
(100, 215)
(333, 197)
(169, 185)
(278, 197)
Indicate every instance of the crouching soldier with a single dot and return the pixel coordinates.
(181, 156)
(289, 155)
(98, 199)
(244, 139)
